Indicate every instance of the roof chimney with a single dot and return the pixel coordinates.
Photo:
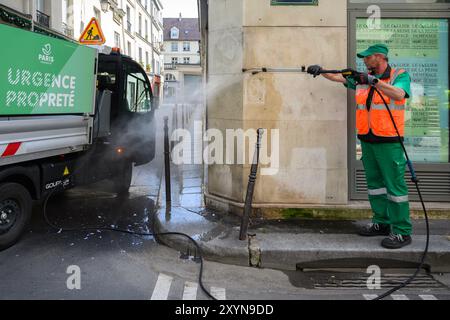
(179, 19)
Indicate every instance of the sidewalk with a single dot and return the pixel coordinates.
(285, 244)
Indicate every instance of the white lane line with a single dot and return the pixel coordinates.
(162, 287)
(190, 291)
(370, 296)
(427, 297)
(399, 297)
(218, 293)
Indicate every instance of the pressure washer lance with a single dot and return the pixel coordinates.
(302, 69)
(353, 73)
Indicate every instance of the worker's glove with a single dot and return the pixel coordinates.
(365, 78)
(314, 70)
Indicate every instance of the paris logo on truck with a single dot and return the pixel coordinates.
(92, 34)
(46, 56)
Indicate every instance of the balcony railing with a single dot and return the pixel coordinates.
(170, 66)
(66, 30)
(15, 17)
(43, 19)
(173, 66)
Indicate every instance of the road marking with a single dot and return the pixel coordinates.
(218, 293)
(370, 296)
(399, 297)
(190, 291)
(427, 297)
(162, 287)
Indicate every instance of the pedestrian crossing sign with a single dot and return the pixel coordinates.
(92, 34)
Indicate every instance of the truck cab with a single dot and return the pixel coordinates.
(128, 136)
(46, 149)
(133, 105)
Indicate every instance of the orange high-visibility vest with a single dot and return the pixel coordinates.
(377, 118)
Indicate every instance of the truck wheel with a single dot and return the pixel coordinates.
(122, 180)
(15, 213)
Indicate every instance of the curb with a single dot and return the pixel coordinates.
(234, 252)
(298, 251)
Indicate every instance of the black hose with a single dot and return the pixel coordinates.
(142, 234)
(416, 182)
(199, 250)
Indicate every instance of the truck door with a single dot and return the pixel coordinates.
(138, 111)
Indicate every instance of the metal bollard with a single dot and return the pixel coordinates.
(183, 118)
(250, 189)
(173, 118)
(172, 143)
(167, 159)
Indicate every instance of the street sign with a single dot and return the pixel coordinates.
(92, 34)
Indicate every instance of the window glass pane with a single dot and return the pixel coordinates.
(131, 93)
(421, 47)
(138, 97)
(174, 33)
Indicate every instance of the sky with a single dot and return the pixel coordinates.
(172, 8)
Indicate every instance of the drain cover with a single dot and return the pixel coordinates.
(353, 281)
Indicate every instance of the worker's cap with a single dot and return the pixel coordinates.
(376, 48)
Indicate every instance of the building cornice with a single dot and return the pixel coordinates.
(158, 4)
(144, 9)
(143, 39)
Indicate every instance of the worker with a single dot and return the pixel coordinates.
(382, 154)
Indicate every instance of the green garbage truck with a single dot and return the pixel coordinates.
(70, 115)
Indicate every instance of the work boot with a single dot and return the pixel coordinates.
(396, 241)
(375, 229)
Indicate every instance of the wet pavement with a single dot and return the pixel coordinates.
(37, 266)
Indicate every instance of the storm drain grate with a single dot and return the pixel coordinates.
(387, 281)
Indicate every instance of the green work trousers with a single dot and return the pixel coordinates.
(384, 165)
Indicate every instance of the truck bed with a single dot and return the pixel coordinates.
(35, 137)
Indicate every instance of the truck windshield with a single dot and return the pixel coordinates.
(137, 93)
